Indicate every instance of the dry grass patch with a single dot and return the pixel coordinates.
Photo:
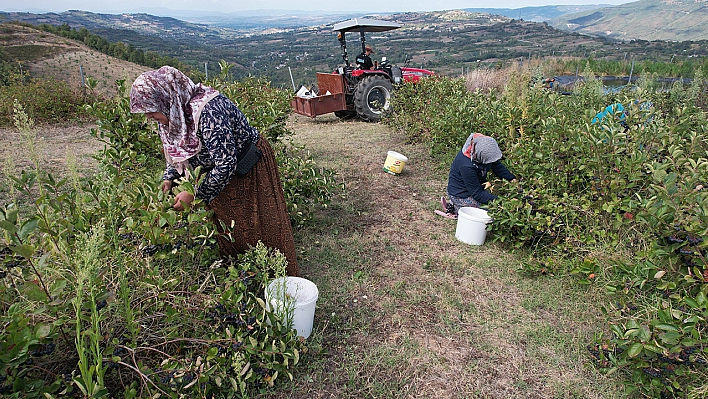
(60, 150)
(47, 55)
(486, 80)
(56, 145)
(104, 69)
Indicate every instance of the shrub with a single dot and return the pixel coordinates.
(106, 291)
(45, 100)
(267, 108)
(307, 186)
(622, 209)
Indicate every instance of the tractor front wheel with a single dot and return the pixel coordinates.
(372, 97)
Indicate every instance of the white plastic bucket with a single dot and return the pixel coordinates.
(394, 163)
(293, 299)
(472, 225)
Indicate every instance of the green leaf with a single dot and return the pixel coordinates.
(42, 330)
(653, 348)
(666, 327)
(28, 227)
(690, 302)
(211, 353)
(25, 251)
(631, 332)
(659, 175)
(11, 215)
(9, 227)
(670, 337)
(635, 349)
(33, 291)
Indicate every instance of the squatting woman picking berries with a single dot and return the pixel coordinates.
(467, 181)
(199, 126)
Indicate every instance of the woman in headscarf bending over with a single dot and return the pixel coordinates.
(467, 181)
(199, 126)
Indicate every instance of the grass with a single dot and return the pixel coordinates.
(405, 310)
(30, 52)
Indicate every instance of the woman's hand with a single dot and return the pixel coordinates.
(183, 200)
(166, 186)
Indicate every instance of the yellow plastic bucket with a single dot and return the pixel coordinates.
(394, 163)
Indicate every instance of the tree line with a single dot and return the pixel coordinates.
(118, 50)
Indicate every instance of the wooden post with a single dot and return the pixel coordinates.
(83, 80)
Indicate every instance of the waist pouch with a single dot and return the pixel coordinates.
(247, 159)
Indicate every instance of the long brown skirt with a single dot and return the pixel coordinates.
(256, 205)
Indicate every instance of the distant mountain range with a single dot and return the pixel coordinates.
(678, 20)
(259, 20)
(295, 18)
(448, 42)
(538, 13)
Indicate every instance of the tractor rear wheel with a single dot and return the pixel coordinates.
(372, 97)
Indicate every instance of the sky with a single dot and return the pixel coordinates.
(367, 6)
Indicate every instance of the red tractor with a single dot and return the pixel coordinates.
(351, 91)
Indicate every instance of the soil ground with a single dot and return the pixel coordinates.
(56, 148)
(405, 310)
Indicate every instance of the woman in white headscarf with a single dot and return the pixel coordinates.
(199, 126)
(467, 181)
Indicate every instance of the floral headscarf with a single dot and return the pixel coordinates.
(169, 91)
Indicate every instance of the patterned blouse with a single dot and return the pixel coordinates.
(223, 132)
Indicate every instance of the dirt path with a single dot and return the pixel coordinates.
(54, 145)
(57, 149)
(406, 310)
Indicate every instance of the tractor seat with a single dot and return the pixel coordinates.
(396, 74)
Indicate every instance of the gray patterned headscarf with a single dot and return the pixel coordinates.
(482, 149)
(169, 91)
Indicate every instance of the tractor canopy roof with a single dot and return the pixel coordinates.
(369, 25)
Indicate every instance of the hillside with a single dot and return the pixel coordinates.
(45, 54)
(538, 13)
(678, 20)
(448, 42)
(111, 25)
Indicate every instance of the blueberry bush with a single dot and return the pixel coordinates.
(618, 207)
(107, 291)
